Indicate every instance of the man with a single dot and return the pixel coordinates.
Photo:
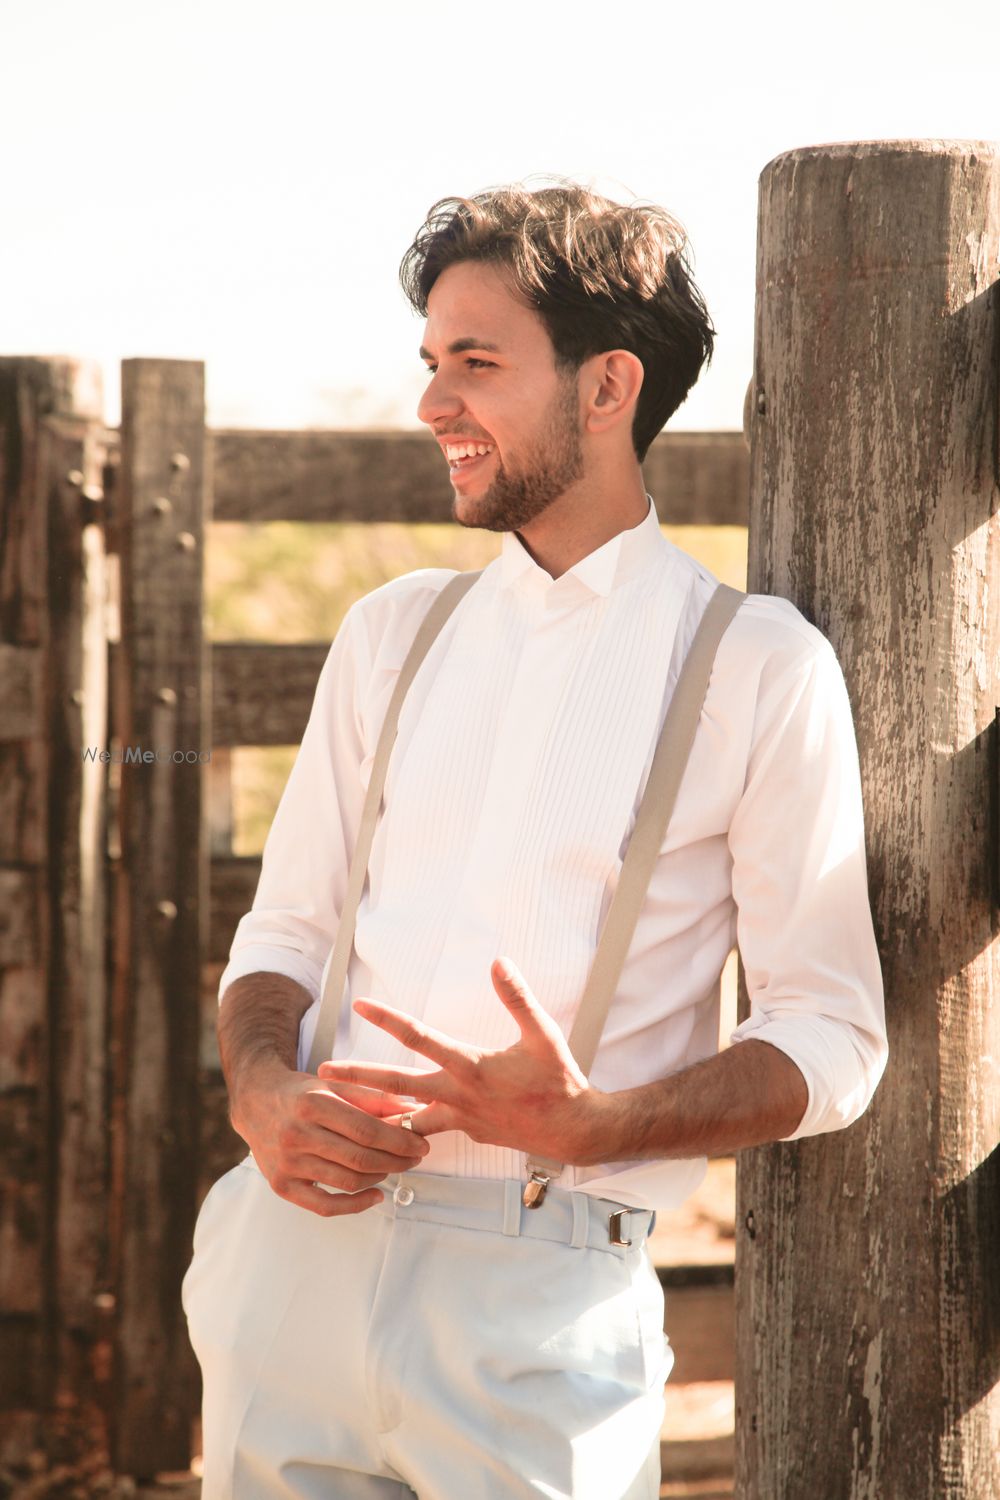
(376, 1310)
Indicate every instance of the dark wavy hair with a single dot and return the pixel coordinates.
(602, 276)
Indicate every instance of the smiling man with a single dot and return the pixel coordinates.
(430, 1276)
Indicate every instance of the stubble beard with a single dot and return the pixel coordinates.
(516, 497)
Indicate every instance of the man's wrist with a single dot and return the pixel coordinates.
(600, 1130)
(258, 1028)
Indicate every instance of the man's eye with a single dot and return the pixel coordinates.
(478, 364)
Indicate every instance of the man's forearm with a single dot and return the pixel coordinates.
(747, 1095)
(258, 1024)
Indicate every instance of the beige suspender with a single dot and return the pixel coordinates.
(669, 761)
(333, 990)
(665, 773)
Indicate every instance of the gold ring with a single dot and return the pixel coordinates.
(407, 1122)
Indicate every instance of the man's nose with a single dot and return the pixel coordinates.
(438, 401)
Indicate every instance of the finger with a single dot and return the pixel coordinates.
(436, 1045)
(512, 987)
(419, 1083)
(372, 1101)
(335, 1117)
(434, 1119)
(330, 1205)
(341, 1175)
(338, 1154)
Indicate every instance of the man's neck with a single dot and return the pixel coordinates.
(582, 519)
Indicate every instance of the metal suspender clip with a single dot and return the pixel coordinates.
(534, 1191)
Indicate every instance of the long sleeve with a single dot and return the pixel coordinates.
(291, 926)
(804, 923)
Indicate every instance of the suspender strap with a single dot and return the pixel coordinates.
(663, 782)
(333, 990)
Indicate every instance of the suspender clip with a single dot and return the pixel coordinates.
(534, 1192)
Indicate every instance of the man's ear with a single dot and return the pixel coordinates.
(611, 385)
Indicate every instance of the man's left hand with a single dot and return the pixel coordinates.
(531, 1097)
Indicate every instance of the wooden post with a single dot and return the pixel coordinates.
(868, 1261)
(53, 1230)
(161, 903)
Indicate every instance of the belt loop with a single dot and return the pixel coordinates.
(511, 1207)
(581, 1220)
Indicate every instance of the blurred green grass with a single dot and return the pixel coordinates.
(288, 581)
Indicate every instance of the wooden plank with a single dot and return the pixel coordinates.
(161, 703)
(328, 476)
(261, 694)
(22, 800)
(76, 716)
(51, 1084)
(22, 1032)
(233, 882)
(20, 1385)
(698, 478)
(20, 692)
(19, 941)
(25, 1217)
(866, 1266)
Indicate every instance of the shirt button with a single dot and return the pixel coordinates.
(403, 1196)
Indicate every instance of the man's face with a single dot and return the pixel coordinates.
(496, 392)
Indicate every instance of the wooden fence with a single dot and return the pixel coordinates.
(119, 892)
(868, 1300)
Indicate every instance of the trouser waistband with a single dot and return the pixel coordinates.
(576, 1219)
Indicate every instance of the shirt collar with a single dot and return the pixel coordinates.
(599, 572)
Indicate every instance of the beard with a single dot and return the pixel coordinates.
(551, 465)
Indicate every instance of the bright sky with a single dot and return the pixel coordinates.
(235, 181)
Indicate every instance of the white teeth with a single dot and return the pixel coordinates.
(456, 451)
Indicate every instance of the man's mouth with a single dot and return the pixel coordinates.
(463, 455)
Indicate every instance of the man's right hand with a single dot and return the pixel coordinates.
(303, 1132)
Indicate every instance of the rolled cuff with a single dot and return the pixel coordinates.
(841, 1065)
(257, 958)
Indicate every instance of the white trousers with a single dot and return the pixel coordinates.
(448, 1342)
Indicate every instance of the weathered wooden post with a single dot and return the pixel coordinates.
(868, 1262)
(54, 1287)
(161, 910)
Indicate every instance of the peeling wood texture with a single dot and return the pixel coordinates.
(161, 910)
(53, 1230)
(20, 692)
(868, 1293)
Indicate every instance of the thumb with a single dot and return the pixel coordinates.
(512, 987)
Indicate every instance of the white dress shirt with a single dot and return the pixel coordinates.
(524, 744)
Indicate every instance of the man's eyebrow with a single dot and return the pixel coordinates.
(460, 345)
